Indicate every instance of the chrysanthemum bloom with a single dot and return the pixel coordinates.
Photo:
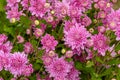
(48, 42)
(6, 47)
(100, 43)
(3, 38)
(25, 4)
(28, 48)
(17, 63)
(76, 37)
(47, 60)
(74, 12)
(101, 29)
(4, 60)
(117, 33)
(73, 74)
(38, 32)
(82, 4)
(102, 14)
(14, 13)
(37, 7)
(113, 19)
(69, 54)
(11, 3)
(61, 8)
(58, 68)
(20, 39)
(69, 24)
(86, 21)
(104, 5)
(27, 70)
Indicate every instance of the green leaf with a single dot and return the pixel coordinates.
(89, 64)
(25, 20)
(107, 72)
(98, 59)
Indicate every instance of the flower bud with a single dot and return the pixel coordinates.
(20, 39)
(51, 53)
(52, 12)
(38, 32)
(69, 54)
(36, 22)
(91, 30)
(63, 51)
(13, 20)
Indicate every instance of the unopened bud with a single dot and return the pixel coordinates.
(36, 22)
(13, 20)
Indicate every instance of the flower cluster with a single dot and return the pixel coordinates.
(17, 63)
(59, 37)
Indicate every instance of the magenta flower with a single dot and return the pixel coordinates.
(61, 8)
(82, 4)
(20, 39)
(3, 38)
(100, 43)
(17, 63)
(14, 13)
(58, 68)
(6, 47)
(12, 3)
(48, 42)
(38, 32)
(25, 4)
(76, 37)
(28, 48)
(117, 33)
(113, 19)
(73, 74)
(27, 70)
(86, 21)
(37, 7)
(4, 60)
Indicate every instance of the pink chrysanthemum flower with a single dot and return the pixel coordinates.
(117, 33)
(61, 8)
(4, 60)
(38, 32)
(14, 13)
(86, 21)
(100, 43)
(113, 19)
(82, 4)
(47, 60)
(11, 3)
(76, 37)
(73, 74)
(28, 48)
(17, 62)
(27, 70)
(25, 4)
(58, 68)
(74, 12)
(69, 24)
(48, 42)
(37, 7)
(3, 38)
(6, 47)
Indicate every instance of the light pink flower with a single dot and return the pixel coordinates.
(48, 42)
(58, 68)
(76, 37)
(100, 43)
(17, 63)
